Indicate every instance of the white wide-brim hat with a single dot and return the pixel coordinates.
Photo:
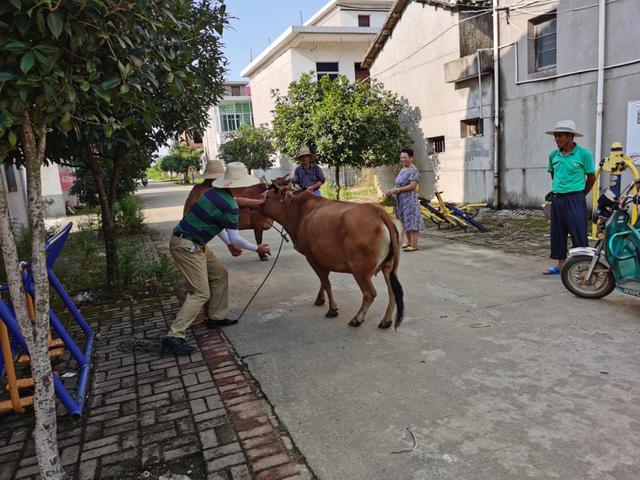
(565, 126)
(213, 170)
(236, 176)
(304, 150)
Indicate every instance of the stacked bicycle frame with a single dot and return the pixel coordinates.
(14, 347)
(446, 213)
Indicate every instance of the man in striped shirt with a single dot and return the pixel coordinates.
(214, 214)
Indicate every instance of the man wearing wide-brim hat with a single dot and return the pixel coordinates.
(308, 175)
(573, 175)
(213, 170)
(214, 214)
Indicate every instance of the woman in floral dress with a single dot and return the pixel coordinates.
(407, 207)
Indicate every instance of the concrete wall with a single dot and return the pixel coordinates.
(529, 109)
(347, 54)
(52, 196)
(350, 18)
(436, 108)
(277, 75)
(210, 136)
(17, 201)
(345, 14)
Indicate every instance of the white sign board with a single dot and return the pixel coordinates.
(632, 147)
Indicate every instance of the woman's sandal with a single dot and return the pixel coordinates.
(410, 249)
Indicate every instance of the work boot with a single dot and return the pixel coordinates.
(176, 346)
(212, 324)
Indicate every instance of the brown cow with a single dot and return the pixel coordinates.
(249, 219)
(357, 238)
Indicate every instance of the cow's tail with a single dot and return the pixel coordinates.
(395, 233)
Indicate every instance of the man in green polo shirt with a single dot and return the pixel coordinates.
(214, 214)
(573, 175)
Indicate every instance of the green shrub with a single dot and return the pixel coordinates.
(139, 275)
(328, 190)
(23, 242)
(128, 215)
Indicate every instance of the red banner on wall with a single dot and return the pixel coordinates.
(67, 180)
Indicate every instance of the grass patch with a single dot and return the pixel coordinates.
(358, 194)
(81, 265)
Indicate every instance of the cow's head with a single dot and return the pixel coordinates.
(277, 199)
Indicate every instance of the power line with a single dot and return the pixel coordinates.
(432, 40)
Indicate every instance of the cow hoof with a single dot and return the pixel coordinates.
(319, 301)
(384, 324)
(354, 323)
(264, 258)
(332, 313)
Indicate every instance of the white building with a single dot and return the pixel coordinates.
(332, 42)
(56, 186)
(231, 112)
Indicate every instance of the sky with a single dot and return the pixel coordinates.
(257, 21)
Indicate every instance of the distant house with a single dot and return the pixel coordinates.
(57, 182)
(233, 110)
(437, 54)
(444, 73)
(15, 183)
(331, 43)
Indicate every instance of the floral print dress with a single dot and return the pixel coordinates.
(407, 207)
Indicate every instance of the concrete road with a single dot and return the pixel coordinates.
(497, 371)
(163, 203)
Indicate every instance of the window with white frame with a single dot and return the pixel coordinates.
(544, 38)
(233, 115)
(327, 69)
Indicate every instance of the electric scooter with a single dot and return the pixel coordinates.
(594, 272)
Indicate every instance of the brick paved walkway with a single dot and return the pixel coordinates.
(200, 415)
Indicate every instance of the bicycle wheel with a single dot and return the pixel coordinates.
(471, 212)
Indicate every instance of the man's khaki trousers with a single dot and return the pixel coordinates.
(208, 280)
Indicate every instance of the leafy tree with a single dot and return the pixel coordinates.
(169, 72)
(251, 146)
(346, 125)
(134, 168)
(181, 159)
(93, 83)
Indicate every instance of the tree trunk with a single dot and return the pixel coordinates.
(337, 182)
(108, 225)
(36, 333)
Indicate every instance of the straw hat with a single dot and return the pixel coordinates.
(304, 150)
(565, 126)
(213, 170)
(236, 176)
